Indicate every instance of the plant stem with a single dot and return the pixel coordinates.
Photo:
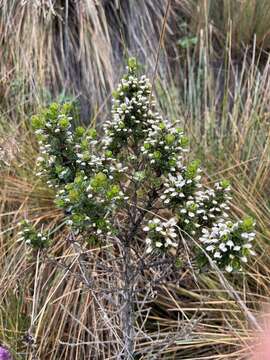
(128, 311)
(130, 275)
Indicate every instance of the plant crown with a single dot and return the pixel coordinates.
(139, 162)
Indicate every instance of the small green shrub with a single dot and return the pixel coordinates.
(115, 187)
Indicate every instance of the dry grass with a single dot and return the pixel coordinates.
(72, 49)
(229, 23)
(225, 111)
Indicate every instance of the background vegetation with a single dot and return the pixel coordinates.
(212, 74)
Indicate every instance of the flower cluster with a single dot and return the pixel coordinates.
(229, 244)
(63, 152)
(195, 208)
(213, 203)
(132, 113)
(181, 185)
(164, 146)
(85, 146)
(37, 240)
(161, 234)
(188, 217)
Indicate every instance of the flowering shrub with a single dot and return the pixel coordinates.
(120, 182)
(133, 186)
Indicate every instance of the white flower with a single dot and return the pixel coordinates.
(230, 243)
(205, 231)
(229, 268)
(149, 250)
(223, 247)
(245, 235)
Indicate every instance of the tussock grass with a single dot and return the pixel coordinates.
(223, 106)
(73, 49)
(233, 23)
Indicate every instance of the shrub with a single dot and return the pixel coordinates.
(134, 187)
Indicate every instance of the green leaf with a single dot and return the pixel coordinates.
(184, 141)
(169, 139)
(132, 63)
(99, 181)
(64, 123)
(113, 192)
(92, 133)
(225, 184)
(192, 169)
(248, 224)
(79, 131)
(38, 122)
